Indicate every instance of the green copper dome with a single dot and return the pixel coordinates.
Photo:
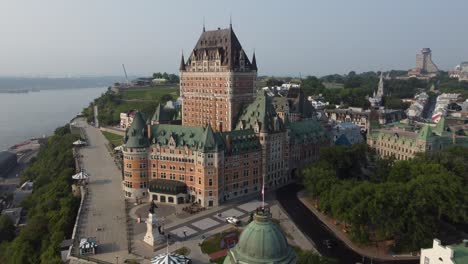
(261, 242)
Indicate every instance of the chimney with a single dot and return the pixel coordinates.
(149, 131)
(228, 142)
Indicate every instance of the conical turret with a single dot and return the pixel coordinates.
(254, 62)
(182, 63)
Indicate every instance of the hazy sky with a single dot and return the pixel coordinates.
(94, 37)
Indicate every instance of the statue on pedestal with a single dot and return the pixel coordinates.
(153, 235)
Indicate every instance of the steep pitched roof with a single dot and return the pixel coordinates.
(343, 141)
(198, 138)
(260, 115)
(161, 115)
(298, 103)
(182, 64)
(222, 43)
(425, 133)
(136, 134)
(307, 131)
(440, 127)
(239, 141)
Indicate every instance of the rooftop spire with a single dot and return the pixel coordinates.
(254, 62)
(230, 21)
(203, 24)
(182, 61)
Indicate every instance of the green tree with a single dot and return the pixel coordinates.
(7, 229)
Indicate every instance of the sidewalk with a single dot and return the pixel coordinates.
(372, 252)
(294, 236)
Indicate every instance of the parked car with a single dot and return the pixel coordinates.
(232, 220)
(328, 243)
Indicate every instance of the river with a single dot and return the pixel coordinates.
(34, 114)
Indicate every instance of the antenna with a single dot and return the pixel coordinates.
(263, 193)
(230, 20)
(125, 71)
(203, 23)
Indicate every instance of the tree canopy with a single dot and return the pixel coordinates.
(403, 201)
(51, 207)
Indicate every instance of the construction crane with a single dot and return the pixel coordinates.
(125, 71)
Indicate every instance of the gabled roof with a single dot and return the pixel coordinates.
(260, 115)
(136, 134)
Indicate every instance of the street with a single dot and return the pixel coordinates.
(311, 226)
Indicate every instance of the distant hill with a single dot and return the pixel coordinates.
(19, 84)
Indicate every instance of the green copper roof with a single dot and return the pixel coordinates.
(262, 241)
(239, 141)
(260, 115)
(460, 253)
(425, 133)
(307, 130)
(193, 137)
(136, 136)
(440, 127)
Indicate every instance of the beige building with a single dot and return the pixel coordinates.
(404, 141)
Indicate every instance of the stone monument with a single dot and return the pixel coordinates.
(153, 235)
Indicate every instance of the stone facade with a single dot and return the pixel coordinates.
(404, 141)
(362, 118)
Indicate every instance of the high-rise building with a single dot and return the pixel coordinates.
(425, 67)
(424, 61)
(216, 81)
(205, 160)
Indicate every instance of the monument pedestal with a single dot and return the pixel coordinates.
(152, 236)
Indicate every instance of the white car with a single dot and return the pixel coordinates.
(232, 220)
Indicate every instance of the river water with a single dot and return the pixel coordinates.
(34, 114)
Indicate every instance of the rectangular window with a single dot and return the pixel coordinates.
(163, 175)
(191, 178)
(199, 180)
(182, 177)
(142, 165)
(172, 176)
(246, 173)
(210, 182)
(143, 174)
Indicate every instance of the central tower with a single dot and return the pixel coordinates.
(216, 81)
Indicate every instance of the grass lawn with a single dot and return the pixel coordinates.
(331, 85)
(151, 94)
(114, 139)
(213, 244)
(182, 251)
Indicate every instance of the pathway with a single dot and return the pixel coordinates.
(104, 211)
